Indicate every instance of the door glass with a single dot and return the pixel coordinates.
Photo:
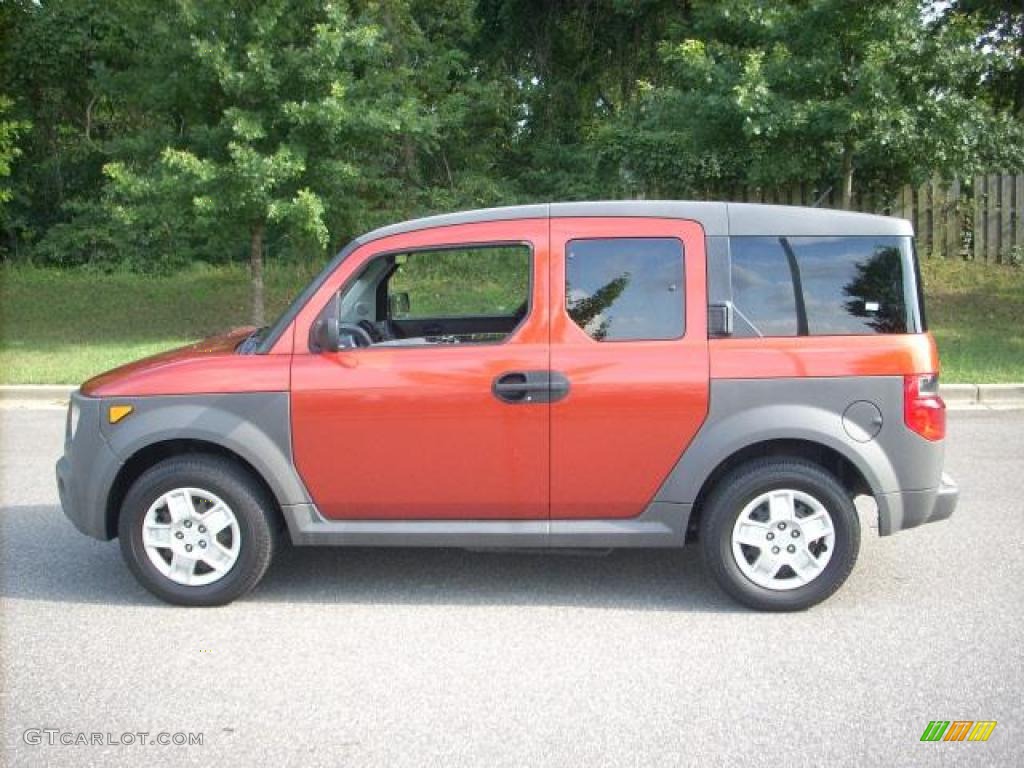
(463, 282)
(475, 294)
(629, 288)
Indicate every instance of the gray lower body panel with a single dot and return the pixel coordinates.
(815, 411)
(254, 426)
(82, 501)
(661, 525)
(85, 474)
(909, 509)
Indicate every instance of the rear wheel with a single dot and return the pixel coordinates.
(780, 534)
(197, 530)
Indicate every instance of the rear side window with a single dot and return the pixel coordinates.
(627, 288)
(798, 286)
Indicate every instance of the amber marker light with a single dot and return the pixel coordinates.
(119, 412)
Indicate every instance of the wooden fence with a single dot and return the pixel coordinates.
(981, 218)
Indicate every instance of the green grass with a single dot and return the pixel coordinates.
(976, 312)
(63, 327)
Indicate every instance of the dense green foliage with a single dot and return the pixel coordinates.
(826, 93)
(150, 135)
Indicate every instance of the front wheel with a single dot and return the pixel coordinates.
(780, 534)
(197, 530)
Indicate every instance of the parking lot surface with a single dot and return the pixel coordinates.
(411, 658)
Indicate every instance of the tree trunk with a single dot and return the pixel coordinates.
(847, 190)
(409, 157)
(256, 274)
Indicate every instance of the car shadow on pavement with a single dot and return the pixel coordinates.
(43, 558)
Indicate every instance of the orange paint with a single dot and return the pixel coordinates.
(634, 405)
(800, 356)
(416, 433)
(206, 367)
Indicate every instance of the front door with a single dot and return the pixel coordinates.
(629, 332)
(433, 410)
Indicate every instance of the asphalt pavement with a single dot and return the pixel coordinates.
(412, 658)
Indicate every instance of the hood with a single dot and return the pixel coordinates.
(171, 372)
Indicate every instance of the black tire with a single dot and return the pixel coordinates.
(745, 484)
(258, 525)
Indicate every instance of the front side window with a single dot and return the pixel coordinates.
(626, 289)
(462, 282)
(474, 294)
(799, 286)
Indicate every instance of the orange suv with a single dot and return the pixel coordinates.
(584, 375)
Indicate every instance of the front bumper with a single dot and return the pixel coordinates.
(86, 472)
(909, 509)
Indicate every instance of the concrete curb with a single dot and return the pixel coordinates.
(998, 395)
(959, 393)
(994, 395)
(37, 393)
(1001, 394)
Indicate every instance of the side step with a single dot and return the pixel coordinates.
(661, 525)
(546, 551)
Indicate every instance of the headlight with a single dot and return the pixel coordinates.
(74, 412)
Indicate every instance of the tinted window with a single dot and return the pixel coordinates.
(626, 288)
(822, 285)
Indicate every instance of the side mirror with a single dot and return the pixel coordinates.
(324, 335)
(398, 305)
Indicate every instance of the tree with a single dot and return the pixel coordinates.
(276, 109)
(307, 118)
(820, 90)
(569, 68)
(154, 134)
(50, 57)
(1002, 42)
(9, 131)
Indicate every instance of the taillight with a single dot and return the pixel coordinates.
(923, 410)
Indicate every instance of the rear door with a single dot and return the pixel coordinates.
(629, 333)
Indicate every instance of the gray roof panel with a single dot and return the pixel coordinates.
(507, 213)
(718, 219)
(794, 221)
(712, 216)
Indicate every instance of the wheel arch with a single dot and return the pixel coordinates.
(251, 429)
(807, 431)
(153, 453)
(836, 463)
